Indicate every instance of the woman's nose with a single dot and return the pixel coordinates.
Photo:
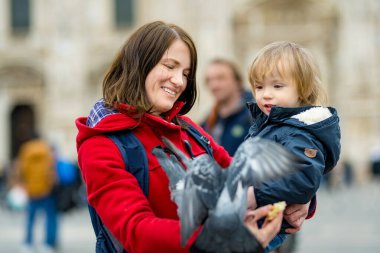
(177, 78)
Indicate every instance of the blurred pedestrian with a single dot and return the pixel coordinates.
(37, 176)
(69, 185)
(229, 120)
(374, 160)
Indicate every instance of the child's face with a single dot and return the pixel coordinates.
(274, 91)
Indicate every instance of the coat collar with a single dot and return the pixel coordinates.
(279, 114)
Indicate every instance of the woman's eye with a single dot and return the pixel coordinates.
(169, 66)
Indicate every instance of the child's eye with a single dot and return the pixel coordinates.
(258, 87)
(278, 86)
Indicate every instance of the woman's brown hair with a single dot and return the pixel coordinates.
(125, 80)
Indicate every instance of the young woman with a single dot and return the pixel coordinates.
(149, 87)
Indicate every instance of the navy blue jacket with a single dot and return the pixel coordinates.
(316, 145)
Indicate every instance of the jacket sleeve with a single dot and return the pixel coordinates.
(312, 208)
(120, 203)
(301, 186)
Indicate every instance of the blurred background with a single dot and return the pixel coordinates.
(53, 55)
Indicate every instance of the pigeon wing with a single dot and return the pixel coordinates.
(224, 229)
(203, 185)
(177, 152)
(170, 165)
(258, 160)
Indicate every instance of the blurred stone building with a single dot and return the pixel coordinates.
(53, 55)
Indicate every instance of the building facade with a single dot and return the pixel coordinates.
(53, 55)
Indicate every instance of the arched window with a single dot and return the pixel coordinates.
(20, 16)
(124, 13)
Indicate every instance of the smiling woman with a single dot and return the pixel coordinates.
(149, 87)
(155, 52)
(168, 79)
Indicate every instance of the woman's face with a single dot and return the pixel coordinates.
(168, 79)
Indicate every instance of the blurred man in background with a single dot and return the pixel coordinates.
(229, 120)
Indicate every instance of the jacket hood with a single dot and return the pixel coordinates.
(321, 122)
(104, 120)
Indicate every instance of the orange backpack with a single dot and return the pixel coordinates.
(37, 168)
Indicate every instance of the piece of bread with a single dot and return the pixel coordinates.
(277, 208)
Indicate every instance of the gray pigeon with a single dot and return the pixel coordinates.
(224, 230)
(217, 197)
(195, 191)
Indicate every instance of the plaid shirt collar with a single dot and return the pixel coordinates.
(100, 111)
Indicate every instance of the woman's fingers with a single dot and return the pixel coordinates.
(258, 213)
(278, 217)
(270, 229)
(251, 198)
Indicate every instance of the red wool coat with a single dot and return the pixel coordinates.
(141, 224)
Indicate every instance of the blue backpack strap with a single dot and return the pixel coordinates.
(136, 162)
(105, 240)
(198, 136)
(134, 156)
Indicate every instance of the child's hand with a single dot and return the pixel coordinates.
(295, 214)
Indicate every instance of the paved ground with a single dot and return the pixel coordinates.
(76, 235)
(347, 221)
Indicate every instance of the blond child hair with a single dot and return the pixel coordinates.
(294, 64)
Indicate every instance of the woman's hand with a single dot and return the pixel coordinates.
(251, 199)
(269, 229)
(295, 214)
